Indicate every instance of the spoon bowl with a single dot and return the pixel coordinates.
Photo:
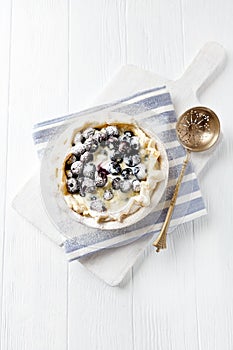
(198, 129)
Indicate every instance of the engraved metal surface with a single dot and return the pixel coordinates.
(198, 129)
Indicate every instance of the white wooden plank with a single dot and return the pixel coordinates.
(164, 309)
(164, 296)
(99, 316)
(213, 235)
(5, 30)
(97, 47)
(35, 271)
(154, 36)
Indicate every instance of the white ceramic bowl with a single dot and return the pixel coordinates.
(51, 170)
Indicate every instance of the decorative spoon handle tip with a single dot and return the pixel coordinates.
(160, 242)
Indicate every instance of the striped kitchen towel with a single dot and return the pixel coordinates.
(155, 109)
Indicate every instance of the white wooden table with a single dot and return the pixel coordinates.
(55, 57)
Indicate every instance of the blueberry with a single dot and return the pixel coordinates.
(100, 179)
(80, 181)
(117, 157)
(78, 149)
(135, 170)
(81, 192)
(129, 133)
(88, 132)
(72, 185)
(97, 136)
(88, 185)
(140, 172)
(112, 131)
(98, 205)
(112, 142)
(108, 195)
(135, 159)
(86, 157)
(104, 170)
(128, 160)
(77, 168)
(91, 144)
(124, 147)
(125, 186)
(103, 135)
(116, 183)
(89, 170)
(78, 138)
(69, 174)
(125, 138)
(134, 143)
(103, 143)
(136, 185)
(126, 173)
(70, 161)
(114, 168)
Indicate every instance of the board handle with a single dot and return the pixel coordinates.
(206, 65)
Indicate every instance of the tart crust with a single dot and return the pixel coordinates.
(123, 204)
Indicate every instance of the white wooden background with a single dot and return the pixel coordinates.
(55, 57)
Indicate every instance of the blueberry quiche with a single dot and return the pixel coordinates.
(110, 171)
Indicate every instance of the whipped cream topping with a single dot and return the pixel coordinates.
(110, 172)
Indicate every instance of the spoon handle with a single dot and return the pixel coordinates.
(160, 242)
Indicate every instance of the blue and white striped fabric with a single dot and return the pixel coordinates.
(155, 108)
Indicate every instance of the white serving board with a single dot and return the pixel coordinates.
(113, 264)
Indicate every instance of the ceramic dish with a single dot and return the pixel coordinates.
(58, 201)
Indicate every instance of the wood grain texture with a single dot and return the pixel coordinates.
(106, 321)
(154, 36)
(92, 62)
(213, 235)
(34, 312)
(5, 35)
(55, 58)
(157, 296)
